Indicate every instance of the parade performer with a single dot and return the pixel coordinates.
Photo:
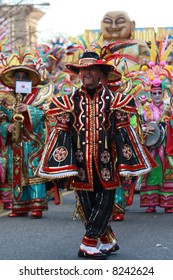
(1, 169)
(5, 189)
(94, 143)
(23, 132)
(157, 186)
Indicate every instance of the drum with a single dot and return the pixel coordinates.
(155, 139)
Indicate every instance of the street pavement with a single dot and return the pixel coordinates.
(57, 235)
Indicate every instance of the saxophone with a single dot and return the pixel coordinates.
(18, 119)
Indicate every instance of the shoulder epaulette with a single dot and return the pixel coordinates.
(60, 105)
(124, 102)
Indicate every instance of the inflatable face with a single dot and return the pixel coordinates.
(117, 25)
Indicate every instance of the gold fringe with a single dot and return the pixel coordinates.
(106, 142)
(79, 211)
(78, 142)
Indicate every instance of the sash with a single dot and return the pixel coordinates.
(17, 170)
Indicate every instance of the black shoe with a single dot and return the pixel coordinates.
(111, 250)
(94, 256)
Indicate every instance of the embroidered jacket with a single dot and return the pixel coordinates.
(93, 131)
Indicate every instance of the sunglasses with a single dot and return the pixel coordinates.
(157, 92)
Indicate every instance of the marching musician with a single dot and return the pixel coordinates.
(23, 134)
(157, 186)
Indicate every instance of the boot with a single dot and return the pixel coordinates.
(36, 214)
(15, 214)
(168, 210)
(118, 217)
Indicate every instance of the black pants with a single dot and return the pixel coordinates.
(97, 207)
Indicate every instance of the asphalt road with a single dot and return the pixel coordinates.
(57, 236)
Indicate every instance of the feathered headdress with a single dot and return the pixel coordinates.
(20, 60)
(157, 73)
(63, 84)
(111, 53)
(158, 69)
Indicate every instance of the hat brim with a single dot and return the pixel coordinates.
(114, 76)
(108, 69)
(8, 74)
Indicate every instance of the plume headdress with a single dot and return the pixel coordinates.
(20, 60)
(110, 53)
(158, 72)
(113, 53)
(106, 51)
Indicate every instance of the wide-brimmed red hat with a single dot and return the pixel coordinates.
(88, 59)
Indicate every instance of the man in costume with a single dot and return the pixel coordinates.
(96, 145)
(23, 133)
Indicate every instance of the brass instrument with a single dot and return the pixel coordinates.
(18, 120)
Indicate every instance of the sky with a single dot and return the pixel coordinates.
(73, 17)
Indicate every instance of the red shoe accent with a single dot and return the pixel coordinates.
(150, 210)
(36, 214)
(89, 241)
(118, 217)
(168, 210)
(15, 214)
(114, 248)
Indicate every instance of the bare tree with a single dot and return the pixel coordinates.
(18, 23)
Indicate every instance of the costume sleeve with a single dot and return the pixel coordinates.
(5, 120)
(33, 118)
(133, 158)
(58, 160)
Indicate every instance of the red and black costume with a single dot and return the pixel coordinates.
(93, 139)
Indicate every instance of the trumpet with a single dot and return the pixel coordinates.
(18, 120)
